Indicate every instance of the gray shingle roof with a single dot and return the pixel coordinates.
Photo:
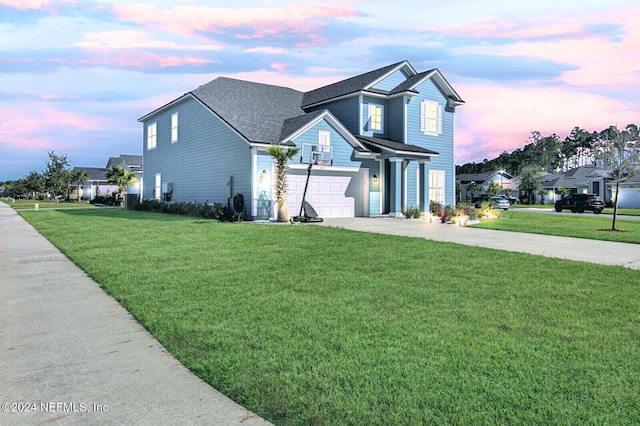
(378, 144)
(480, 177)
(293, 124)
(132, 160)
(95, 173)
(257, 111)
(410, 82)
(345, 87)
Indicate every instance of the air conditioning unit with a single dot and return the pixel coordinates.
(167, 187)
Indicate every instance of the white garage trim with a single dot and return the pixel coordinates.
(331, 193)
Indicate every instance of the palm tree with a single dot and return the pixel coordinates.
(282, 156)
(78, 176)
(120, 176)
(472, 186)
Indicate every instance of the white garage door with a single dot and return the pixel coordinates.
(331, 194)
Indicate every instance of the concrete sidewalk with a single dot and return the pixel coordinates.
(71, 355)
(601, 252)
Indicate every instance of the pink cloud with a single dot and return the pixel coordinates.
(129, 39)
(30, 128)
(25, 4)
(511, 30)
(498, 118)
(298, 17)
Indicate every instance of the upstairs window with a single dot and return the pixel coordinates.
(430, 118)
(151, 135)
(375, 118)
(174, 127)
(324, 138)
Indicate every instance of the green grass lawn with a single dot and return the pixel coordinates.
(309, 325)
(29, 204)
(609, 210)
(588, 225)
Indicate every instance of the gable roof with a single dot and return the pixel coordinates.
(411, 83)
(257, 111)
(98, 174)
(366, 81)
(481, 177)
(350, 85)
(269, 114)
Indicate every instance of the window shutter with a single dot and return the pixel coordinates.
(423, 116)
(439, 119)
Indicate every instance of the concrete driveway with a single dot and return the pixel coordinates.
(600, 252)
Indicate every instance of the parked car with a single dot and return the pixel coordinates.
(578, 203)
(497, 202)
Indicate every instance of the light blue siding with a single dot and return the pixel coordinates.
(201, 162)
(395, 119)
(374, 187)
(342, 150)
(391, 81)
(411, 200)
(442, 144)
(346, 111)
(264, 192)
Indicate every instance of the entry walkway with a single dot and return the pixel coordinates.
(71, 355)
(601, 252)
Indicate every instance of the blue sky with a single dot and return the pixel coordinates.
(76, 75)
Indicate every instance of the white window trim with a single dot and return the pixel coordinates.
(152, 136)
(324, 137)
(158, 187)
(424, 127)
(174, 127)
(444, 186)
(370, 111)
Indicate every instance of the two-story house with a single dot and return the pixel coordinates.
(377, 142)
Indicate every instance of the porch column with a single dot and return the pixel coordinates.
(424, 185)
(395, 186)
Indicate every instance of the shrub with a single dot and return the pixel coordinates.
(206, 211)
(108, 200)
(470, 212)
(412, 213)
(435, 208)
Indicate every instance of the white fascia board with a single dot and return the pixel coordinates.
(452, 95)
(327, 168)
(164, 107)
(404, 64)
(383, 96)
(326, 115)
(408, 153)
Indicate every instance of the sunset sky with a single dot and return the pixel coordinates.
(76, 75)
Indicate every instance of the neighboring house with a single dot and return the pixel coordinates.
(630, 193)
(95, 185)
(383, 141)
(589, 179)
(483, 181)
(133, 163)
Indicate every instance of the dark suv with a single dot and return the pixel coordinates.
(578, 203)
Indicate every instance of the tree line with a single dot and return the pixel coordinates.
(56, 180)
(551, 154)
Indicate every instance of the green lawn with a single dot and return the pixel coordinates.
(588, 225)
(309, 325)
(609, 210)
